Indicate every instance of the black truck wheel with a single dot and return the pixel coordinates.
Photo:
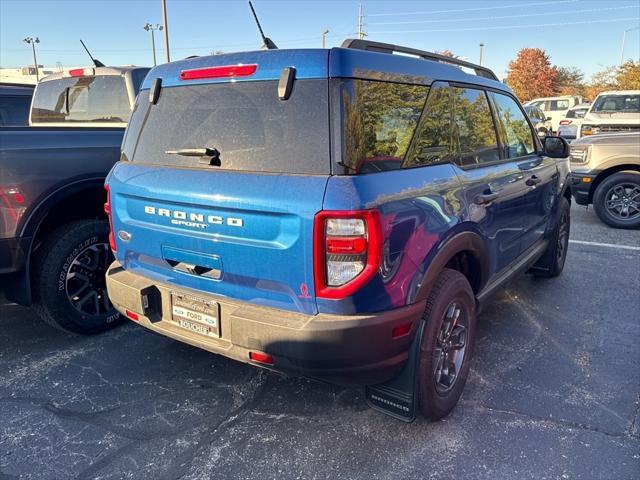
(552, 261)
(447, 344)
(68, 278)
(617, 200)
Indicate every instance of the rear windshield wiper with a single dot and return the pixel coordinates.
(207, 156)
(195, 152)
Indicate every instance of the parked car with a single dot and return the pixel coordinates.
(555, 107)
(614, 111)
(605, 172)
(570, 124)
(540, 121)
(342, 219)
(15, 101)
(53, 230)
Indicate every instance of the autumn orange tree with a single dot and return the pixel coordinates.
(531, 74)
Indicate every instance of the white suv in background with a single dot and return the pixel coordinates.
(613, 111)
(570, 124)
(556, 108)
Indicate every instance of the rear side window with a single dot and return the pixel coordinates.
(474, 126)
(244, 121)
(515, 133)
(557, 105)
(378, 123)
(433, 139)
(14, 110)
(99, 99)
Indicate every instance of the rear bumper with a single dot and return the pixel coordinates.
(354, 350)
(580, 188)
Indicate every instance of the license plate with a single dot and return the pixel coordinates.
(195, 314)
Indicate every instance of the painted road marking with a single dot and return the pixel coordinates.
(609, 245)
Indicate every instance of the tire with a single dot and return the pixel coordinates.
(439, 392)
(68, 267)
(553, 259)
(616, 195)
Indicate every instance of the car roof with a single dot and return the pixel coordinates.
(323, 63)
(17, 90)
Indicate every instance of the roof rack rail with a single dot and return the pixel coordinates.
(379, 47)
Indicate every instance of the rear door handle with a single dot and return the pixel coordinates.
(485, 198)
(533, 180)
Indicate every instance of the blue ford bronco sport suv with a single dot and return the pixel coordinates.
(340, 214)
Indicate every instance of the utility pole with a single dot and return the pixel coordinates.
(624, 38)
(481, 49)
(32, 41)
(150, 28)
(361, 33)
(166, 30)
(324, 37)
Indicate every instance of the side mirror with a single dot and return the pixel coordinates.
(555, 147)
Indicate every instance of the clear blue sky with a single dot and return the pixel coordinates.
(583, 33)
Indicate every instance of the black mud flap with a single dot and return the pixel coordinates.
(397, 397)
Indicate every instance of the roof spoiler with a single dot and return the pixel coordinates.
(379, 47)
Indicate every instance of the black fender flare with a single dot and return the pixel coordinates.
(466, 241)
(18, 286)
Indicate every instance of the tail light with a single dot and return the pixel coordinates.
(565, 122)
(107, 210)
(347, 251)
(13, 200)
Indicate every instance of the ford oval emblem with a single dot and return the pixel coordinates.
(124, 236)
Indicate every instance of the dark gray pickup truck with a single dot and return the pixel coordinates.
(54, 246)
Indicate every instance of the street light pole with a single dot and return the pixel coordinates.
(150, 28)
(166, 30)
(361, 33)
(624, 37)
(481, 49)
(324, 37)
(32, 41)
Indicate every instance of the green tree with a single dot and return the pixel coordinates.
(628, 76)
(601, 81)
(570, 81)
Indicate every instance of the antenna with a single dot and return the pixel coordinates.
(267, 42)
(97, 63)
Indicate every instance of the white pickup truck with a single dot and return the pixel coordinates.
(613, 111)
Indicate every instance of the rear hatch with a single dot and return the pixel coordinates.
(221, 177)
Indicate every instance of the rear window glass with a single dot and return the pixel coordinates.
(559, 105)
(99, 99)
(433, 141)
(379, 120)
(244, 121)
(14, 110)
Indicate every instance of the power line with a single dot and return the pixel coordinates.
(544, 14)
(477, 9)
(196, 47)
(506, 27)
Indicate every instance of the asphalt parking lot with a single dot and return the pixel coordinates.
(553, 394)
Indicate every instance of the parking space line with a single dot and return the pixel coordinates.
(609, 245)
